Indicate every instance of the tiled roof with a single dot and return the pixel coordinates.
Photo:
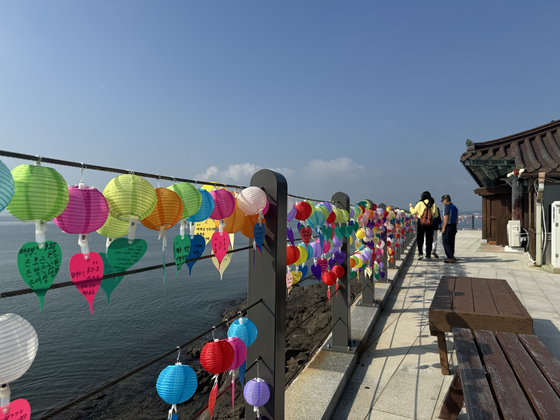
(535, 150)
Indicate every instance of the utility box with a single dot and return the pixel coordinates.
(555, 233)
(514, 233)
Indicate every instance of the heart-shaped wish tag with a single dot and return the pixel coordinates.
(303, 269)
(306, 233)
(323, 263)
(38, 267)
(221, 267)
(258, 234)
(220, 243)
(198, 244)
(123, 255)
(86, 274)
(317, 271)
(296, 276)
(290, 234)
(181, 250)
(289, 280)
(17, 410)
(108, 285)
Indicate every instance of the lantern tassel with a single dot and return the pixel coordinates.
(84, 244)
(212, 397)
(329, 294)
(5, 398)
(40, 230)
(233, 392)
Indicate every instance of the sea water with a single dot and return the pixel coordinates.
(79, 351)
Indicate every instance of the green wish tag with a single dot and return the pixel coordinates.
(181, 250)
(38, 267)
(108, 285)
(122, 255)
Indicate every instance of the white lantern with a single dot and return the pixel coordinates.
(251, 200)
(18, 347)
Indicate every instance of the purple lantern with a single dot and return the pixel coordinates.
(256, 393)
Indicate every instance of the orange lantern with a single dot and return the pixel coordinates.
(249, 223)
(233, 223)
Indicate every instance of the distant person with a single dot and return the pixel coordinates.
(449, 229)
(426, 210)
(437, 228)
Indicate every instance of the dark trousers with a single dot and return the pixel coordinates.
(448, 238)
(427, 231)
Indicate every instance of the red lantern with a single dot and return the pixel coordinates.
(303, 210)
(292, 254)
(386, 213)
(331, 218)
(328, 277)
(374, 207)
(216, 356)
(338, 271)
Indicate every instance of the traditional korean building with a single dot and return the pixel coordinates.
(518, 178)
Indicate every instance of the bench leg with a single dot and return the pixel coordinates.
(442, 345)
(453, 401)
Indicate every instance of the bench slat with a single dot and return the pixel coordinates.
(543, 357)
(543, 398)
(443, 297)
(478, 396)
(483, 302)
(505, 303)
(507, 390)
(463, 296)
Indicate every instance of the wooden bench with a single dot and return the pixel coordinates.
(475, 303)
(503, 376)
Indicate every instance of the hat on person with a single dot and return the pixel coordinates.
(445, 197)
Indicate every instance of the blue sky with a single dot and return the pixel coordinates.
(374, 98)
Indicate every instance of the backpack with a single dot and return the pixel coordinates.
(427, 218)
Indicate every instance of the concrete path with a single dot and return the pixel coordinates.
(398, 375)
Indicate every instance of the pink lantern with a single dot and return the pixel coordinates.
(224, 204)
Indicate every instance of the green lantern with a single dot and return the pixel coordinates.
(40, 195)
(130, 198)
(192, 200)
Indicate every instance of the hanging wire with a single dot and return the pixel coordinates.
(138, 369)
(82, 165)
(108, 276)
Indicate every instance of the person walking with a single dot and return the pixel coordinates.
(426, 210)
(437, 228)
(449, 228)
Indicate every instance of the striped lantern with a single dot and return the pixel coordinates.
(256, 393)
(239, 352)
(244, 329)
(303, 210)
(18, 347)
(131, 198)
(87, 210)
(190, 196)
(167, 212)
(216, 356)
(224, 204)
(252, 200)
(7, 186)
(206, 207)
(40, 193)
(176, 383)
(233, 223)
(249, 223)
(113, 227)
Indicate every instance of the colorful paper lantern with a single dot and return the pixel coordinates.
(233, 223)
(113, 228)
(216, 356)
(249, 223)
(224, 204)
(7, 186)
(256, 393)
(130, 198)
(338, 271)
(206, 207)
(244, 329)
(292, 254)
(252, 200)
(86, 211)
(40, 195)
(303, 210)
(328, 277)
(190, 196)
(176, 384)
(18, 347)
(167, 212)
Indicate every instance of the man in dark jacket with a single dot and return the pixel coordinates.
(449, 229)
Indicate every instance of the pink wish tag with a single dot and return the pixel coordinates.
(16, 410)
(289, 280)
(306, 233)
(323, 263)
(87, 274)
(220, 243)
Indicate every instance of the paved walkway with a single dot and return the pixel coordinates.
(398, 375)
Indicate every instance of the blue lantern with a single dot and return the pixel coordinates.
(175, 385)
(7, 186)
(244, 329)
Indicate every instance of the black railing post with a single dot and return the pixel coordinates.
(368, 291)
(340, 303)
(267, 281)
